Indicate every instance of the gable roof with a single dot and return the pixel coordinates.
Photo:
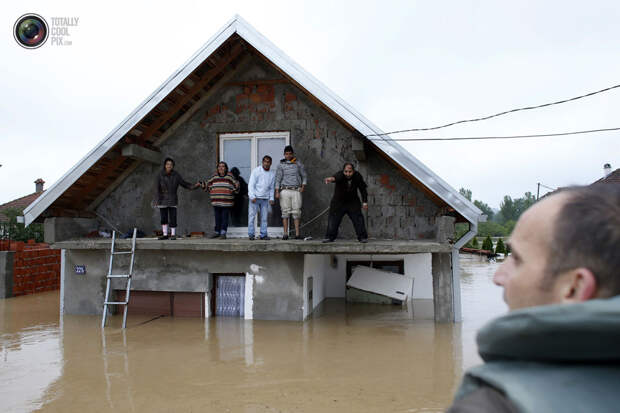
(99, 155)
(19, 203)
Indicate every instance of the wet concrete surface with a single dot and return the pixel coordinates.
(348, 357)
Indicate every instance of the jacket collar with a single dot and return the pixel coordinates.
(583, 332)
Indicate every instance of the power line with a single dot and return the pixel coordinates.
(471, 138)
(498, 114)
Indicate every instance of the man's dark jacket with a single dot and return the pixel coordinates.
(345, 192)
(166, 188)
(551, 358)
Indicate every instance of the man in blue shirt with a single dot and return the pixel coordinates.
(260, 193)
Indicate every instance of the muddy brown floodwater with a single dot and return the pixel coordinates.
(355, 357)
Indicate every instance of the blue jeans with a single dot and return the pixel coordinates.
(263, 205)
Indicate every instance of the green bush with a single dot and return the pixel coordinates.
(475, 243)
(500, 248)
(487, 244)
(18, 232)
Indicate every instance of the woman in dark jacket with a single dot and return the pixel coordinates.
(167, 183)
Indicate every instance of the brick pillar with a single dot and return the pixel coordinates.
(443, 298)
(6, 273)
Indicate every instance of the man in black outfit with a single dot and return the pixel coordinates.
(345, 201)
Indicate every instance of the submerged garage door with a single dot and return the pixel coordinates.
(167, 303)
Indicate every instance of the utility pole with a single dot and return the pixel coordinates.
(538, 191)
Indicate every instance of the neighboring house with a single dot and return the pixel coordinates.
(21, 203)
(238, 98)
(609, 176)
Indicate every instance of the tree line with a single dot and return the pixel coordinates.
(498, 224)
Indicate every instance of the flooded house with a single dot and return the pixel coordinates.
(237, 99)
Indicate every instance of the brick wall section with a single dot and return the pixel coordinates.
(397, 209)
(36, 267)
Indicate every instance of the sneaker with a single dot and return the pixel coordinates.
(163, 237)
(326, 240)
(284, 237)
(214, 236)
(223, 236)
(173, 237)
(298, 237)
(363, 240)
(251, 237)
(265, 238)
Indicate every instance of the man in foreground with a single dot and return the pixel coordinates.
(260, 193)
(558, 349)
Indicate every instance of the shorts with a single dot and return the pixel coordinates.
(290, 203)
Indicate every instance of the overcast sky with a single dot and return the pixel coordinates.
(402, 64)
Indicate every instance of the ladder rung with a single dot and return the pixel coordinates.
(119, 276)
(122, 252)
(116, 303)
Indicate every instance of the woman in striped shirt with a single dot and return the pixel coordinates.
(222, 187)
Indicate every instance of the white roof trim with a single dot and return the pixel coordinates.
(238, 25)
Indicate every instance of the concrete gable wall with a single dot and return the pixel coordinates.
(397, 209)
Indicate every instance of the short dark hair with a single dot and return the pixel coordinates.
(235, 172)
(586, 233)
(168, 159)
(288, 148)
(348, 163)
(267, 157)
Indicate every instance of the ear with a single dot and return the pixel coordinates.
(580, 285)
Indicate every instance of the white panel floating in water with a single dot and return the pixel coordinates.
(381, 282)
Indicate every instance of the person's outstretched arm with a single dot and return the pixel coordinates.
(184, 183)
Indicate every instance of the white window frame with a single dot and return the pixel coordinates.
(254, 136)
(241, 232)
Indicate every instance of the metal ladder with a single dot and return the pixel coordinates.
(110, 276)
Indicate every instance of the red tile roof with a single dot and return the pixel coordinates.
(612, 178)
(19, 203)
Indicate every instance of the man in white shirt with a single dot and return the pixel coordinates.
(260, 192)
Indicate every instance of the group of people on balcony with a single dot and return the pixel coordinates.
(286, 184)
